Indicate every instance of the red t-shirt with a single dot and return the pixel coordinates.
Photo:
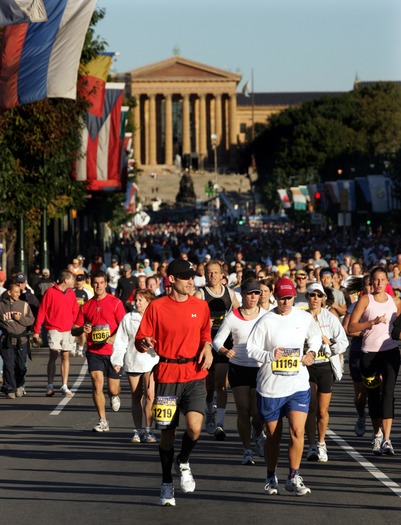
(180, 330)
(104, 315)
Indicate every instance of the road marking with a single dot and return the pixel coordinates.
(74, 388)
(372, 469)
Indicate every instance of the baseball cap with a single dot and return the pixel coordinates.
(249, 286)
(80, 277)
(3, 276)
(326, 270)
(180, 268)
(80, 258)
(114, 259)
(45, 271)
(20, 278)
(127, 267)
(285, 288)
(146, 260)
(75, 261)
(300, 273)
(298, 255)
(315, 287)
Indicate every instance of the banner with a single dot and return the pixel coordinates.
(102, 144)
(18, 11)
(92, 84)
(42, 60)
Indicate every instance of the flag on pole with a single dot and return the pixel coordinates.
(245, 90)
(101, 144)
(42, 60)
(18, 11)
(92, 84)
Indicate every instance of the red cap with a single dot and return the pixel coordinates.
(285, 288)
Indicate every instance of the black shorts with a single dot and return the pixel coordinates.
(191, 397)
(242, 375)
(102, 363)
(322, 375)
(220, 359)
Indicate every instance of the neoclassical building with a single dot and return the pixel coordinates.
(195, 111)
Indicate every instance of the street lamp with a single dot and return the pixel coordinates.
(213, 138)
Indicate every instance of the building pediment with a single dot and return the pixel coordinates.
(178, 68)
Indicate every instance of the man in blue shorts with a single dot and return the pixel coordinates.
(277, 341)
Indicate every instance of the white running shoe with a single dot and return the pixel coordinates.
(296, 485)
(187, 481)
(322, 451)
(66, 391)
(167, 498)
(115, 403)
(377, 443)
(136, 438)
(387, 448)
(149, 437)
(102, 426)
(271, 486)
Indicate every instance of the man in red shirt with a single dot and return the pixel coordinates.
(58, 311)
(99, 318)
(177, 328)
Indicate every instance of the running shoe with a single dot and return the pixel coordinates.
(377, 443)
(102, 426)
(10, 395)
(80, 351)
(387, 448)
(210, 425)
(115, 403)
(187, 481)
(136, 438)
(149, 437)
(247, 458)
(66, 391)
(49, 391)
(322, 451)
(360, 426)
(312, 454)
(19, 392)
(271, 486)
(167, 498)
(260, 445)
(219, 434)
(296, 485)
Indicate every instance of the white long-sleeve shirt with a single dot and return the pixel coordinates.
(124, 350)
(240, 329)
(287, 375)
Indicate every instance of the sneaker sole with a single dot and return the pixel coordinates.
(293, 491)
(169, 503)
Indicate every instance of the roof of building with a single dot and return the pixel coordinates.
(284, 99)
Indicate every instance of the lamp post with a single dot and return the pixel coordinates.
(213, 138)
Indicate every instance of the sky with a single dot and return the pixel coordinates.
(289, 45)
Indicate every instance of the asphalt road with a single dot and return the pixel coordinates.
(55, 470)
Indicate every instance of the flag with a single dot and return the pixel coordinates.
(42, 60)
(92, 84)
(245, 90)
(18, 11)
(378, 193)
(285, 201)
(298, 198)
(102, 144)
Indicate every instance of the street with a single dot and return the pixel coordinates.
(54, 469)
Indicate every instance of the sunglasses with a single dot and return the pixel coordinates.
(301, 277)
(318, 294)
(253, 293)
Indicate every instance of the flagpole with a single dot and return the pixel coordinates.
(253, 106)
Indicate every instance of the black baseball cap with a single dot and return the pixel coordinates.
(181, 269)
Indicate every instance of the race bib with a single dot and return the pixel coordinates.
(100, 333)
(163, 410)
(289, 364)
(321, 357)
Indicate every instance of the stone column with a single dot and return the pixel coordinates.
(186, 131)
(202, 126)
(218, 116)
(137, 131)
(233, 129)
(169, 130)
(152, 130)
(146, 133)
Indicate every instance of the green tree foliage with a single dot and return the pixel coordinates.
(310, 143)
(39, 143)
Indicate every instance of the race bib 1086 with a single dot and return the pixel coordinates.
(289, 364)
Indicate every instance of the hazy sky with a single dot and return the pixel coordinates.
(291, 45)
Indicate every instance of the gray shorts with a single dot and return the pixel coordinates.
(60, 340)
(191, 397)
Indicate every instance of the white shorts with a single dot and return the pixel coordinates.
(60, 340)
